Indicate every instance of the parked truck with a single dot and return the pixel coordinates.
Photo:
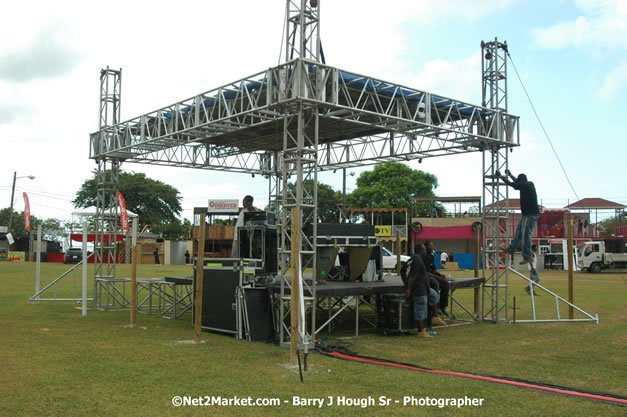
(595, 256)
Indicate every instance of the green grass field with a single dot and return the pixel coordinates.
(56, 362)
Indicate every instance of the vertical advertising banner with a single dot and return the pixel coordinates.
(123, 213)
(26, 212)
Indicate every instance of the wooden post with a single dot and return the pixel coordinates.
(200, 263)
(295, 255)
(134, 254)
(398, 251)
(477, 253)
(570, 269)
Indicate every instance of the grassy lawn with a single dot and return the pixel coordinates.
(56, 362)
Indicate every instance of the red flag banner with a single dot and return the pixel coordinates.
(123, 213)
(26, 212)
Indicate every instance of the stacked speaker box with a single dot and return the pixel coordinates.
(222, 286)
(220, 282)
(258, 319)
(394, 314)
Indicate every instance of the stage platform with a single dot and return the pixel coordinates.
(334, 297)
(169, 297)
(390, 284)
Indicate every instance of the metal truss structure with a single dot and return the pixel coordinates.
(301, 117)
(362, 120)
(495, 222)
(559, 302)
(107, 179)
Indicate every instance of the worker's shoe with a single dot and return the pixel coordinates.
(437, 321)
(525, 261)
(424, 333)
(443, 314)
(528, 291)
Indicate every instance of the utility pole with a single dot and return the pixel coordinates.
(11, 207)
(15, 177)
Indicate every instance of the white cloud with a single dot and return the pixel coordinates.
(458, 79)
(47, 56)
(367, 33)
(528, 143)
(601, 27)
(12, 108)
(615, 81)
(603, 24)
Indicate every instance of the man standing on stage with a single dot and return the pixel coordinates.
(248, 206)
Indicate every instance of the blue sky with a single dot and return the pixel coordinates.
(571, 56)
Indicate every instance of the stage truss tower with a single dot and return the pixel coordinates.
(107, 180)
(299, 167)
(495, 193)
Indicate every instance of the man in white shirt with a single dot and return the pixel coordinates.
(248, 206)
(443, 259)
(533, 272)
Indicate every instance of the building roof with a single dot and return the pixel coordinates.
(450, 199)
(594, 203)
(514, 204)
(378, 210)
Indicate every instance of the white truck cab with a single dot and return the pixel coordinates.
(594, 257)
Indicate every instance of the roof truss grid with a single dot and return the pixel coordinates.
(382, 119)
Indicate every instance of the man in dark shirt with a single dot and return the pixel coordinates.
(418, 289)
(434, 274)
(530, 214)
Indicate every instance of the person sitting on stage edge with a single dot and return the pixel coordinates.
(530, 214)
(418, 289)
(442, 281)
(248, 206)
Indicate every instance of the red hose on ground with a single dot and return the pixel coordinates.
(617, 400)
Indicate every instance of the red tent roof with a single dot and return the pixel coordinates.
(594, 203)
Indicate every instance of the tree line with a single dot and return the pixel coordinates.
(158, 205)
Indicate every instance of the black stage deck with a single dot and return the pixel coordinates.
(180, 280)
(390, 284)
(466, 282)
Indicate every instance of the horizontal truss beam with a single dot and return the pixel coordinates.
(363, 120)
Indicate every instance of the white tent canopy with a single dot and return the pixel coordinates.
(91, 211)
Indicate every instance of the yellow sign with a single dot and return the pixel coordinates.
(17, 256)
(383, 230)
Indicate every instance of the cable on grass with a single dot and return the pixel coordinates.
(519, 383)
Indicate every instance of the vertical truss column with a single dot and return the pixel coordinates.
(107, 180)
(275, 200)
(299, 170)
(110, 95)
(494, 75)
(495, 221)
(302, 30)
(107, 221)
(495, 227)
